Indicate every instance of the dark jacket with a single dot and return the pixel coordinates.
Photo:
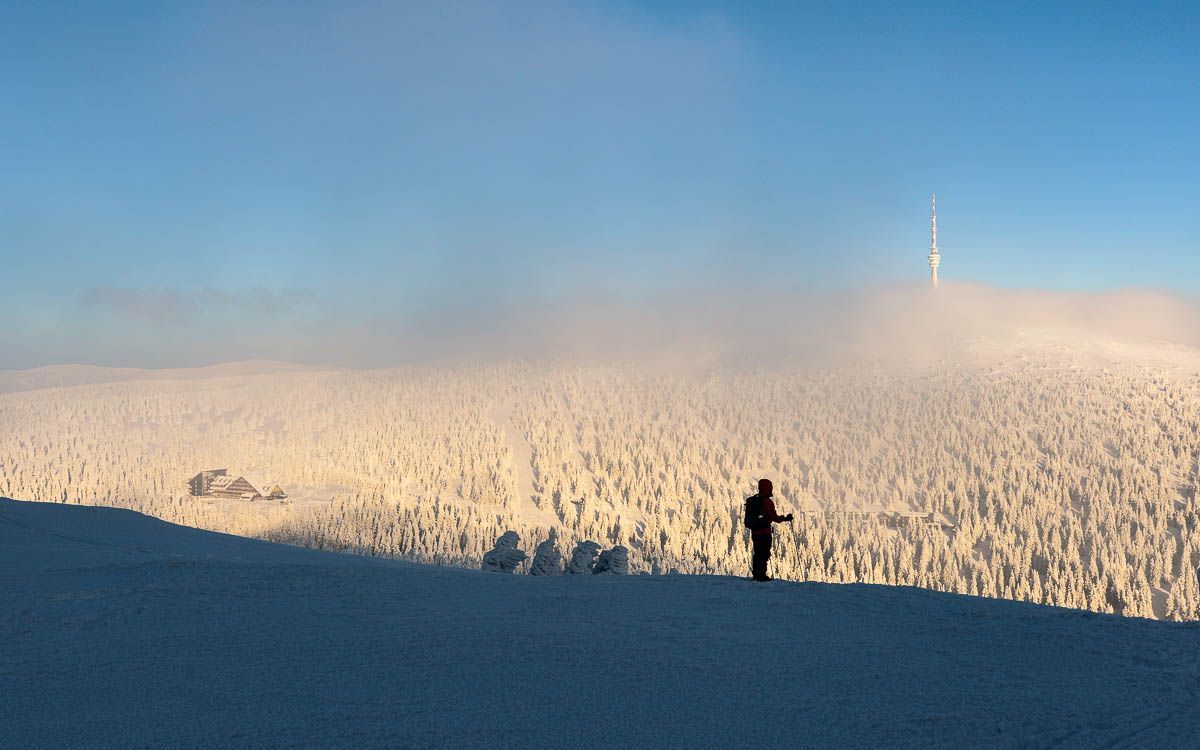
(768, 511)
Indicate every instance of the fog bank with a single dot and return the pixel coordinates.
(799, 328)
(770, 325)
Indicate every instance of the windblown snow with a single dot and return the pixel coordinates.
(119, 630)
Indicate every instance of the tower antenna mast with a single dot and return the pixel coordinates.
(935, 258)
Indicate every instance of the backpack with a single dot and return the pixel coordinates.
(754, 518)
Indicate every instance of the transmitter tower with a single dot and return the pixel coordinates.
(935, 258)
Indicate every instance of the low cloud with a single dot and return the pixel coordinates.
(257, 300)
(688, 332)
(789, 327)
(168, 306)
(157, 306)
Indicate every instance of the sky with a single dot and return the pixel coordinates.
(188, 183)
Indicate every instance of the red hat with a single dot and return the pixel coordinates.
(765, 487)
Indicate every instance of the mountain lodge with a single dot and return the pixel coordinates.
(219, 483)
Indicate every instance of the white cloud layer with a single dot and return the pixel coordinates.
(704, 328)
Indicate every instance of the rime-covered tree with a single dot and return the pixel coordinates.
(583, 558)
(547, 560)
(613, 561)
(1060, 480)
(504, 557)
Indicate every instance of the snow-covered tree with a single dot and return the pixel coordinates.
(547, 560)
(1060, 481)
(583, 558)
(504, 557)
(613, 561)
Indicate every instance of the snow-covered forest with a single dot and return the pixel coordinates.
(1068, 480)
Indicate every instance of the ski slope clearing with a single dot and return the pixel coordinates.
(119, 630)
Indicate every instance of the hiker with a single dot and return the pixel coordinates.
(760, 514)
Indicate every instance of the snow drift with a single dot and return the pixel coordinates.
(119, 630)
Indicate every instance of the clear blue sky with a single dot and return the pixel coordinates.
(184, 183)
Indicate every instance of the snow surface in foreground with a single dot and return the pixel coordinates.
(117, 629)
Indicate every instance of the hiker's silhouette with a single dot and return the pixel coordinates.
(760, 514)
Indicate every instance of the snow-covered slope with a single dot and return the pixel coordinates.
(65, 376)
(120, 630)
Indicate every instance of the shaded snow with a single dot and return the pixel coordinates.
(121, 630)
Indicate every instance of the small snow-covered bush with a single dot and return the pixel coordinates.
(547, 560)
(505, 557)
(613, 561)
(583, 558)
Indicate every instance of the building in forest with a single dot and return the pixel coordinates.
(220, 483)
(893, 519)
(907, 519)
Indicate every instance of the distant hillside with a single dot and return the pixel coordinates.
(118, 630)
(58, 376)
